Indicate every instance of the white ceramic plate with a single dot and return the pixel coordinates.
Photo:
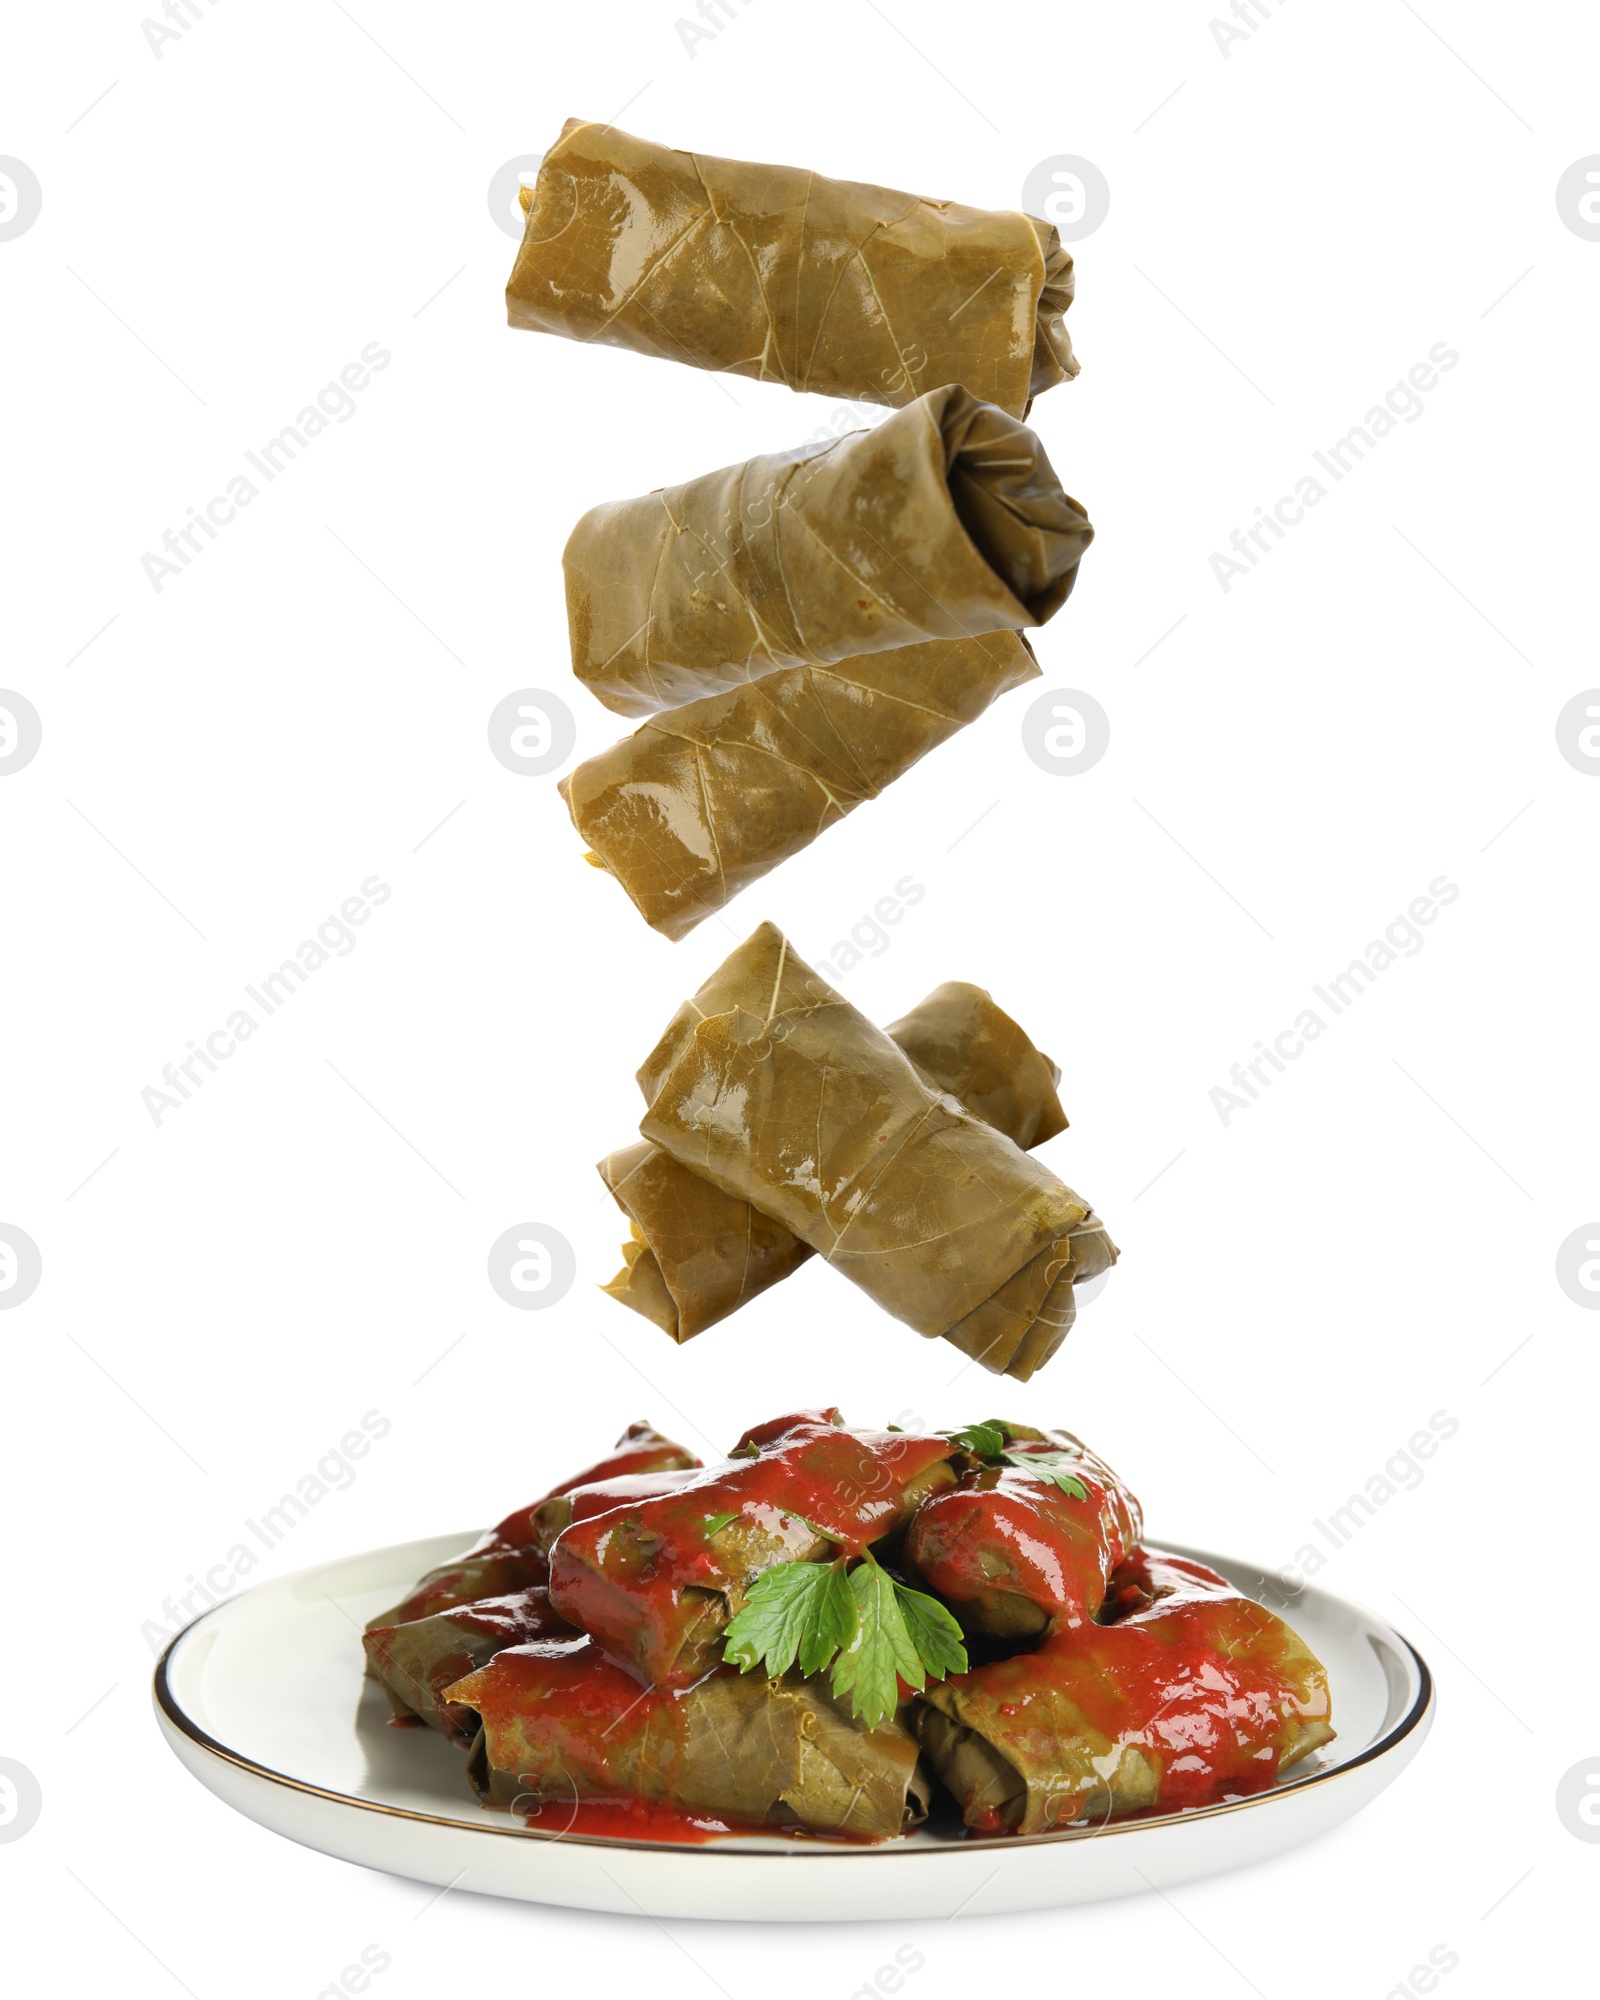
(264, 1700)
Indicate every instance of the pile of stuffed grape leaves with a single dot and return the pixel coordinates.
(780, 1122)
(838, 1632)
(696, 1254)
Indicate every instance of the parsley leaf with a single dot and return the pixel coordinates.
(986, 1440)
(1052, 1468)
(1057, 1475)
(834, 1623)
(934, 1632)
(789, 1610)
(991, 1440)
(881, 1650)
(869, 1628)
(715, 1523)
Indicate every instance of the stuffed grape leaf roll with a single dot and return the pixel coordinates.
(562, 1726)
(771, 1085)
(832, 287)
(697, 1254)
(509, 1557)
(961, 1042)
(946, 521)
(488, 1569)
(416, 1662)
(1194, 1694)
(656, 1584)
(705, 799)
(552, 1517)
(1011, 1551)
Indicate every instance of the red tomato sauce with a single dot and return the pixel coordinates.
(633, 1819)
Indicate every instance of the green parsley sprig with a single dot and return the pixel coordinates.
(871, 1629)
(991, 1441)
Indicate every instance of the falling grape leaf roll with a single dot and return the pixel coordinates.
(945, 521)
(703, 800)
(828, 286)
(696, 1254)
(771, 1085)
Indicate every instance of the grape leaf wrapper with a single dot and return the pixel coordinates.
(1074, 1731)
(833, 287)
(945, 522)
(704, 800)
(742, 1745)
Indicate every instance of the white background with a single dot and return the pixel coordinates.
(224, 762)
